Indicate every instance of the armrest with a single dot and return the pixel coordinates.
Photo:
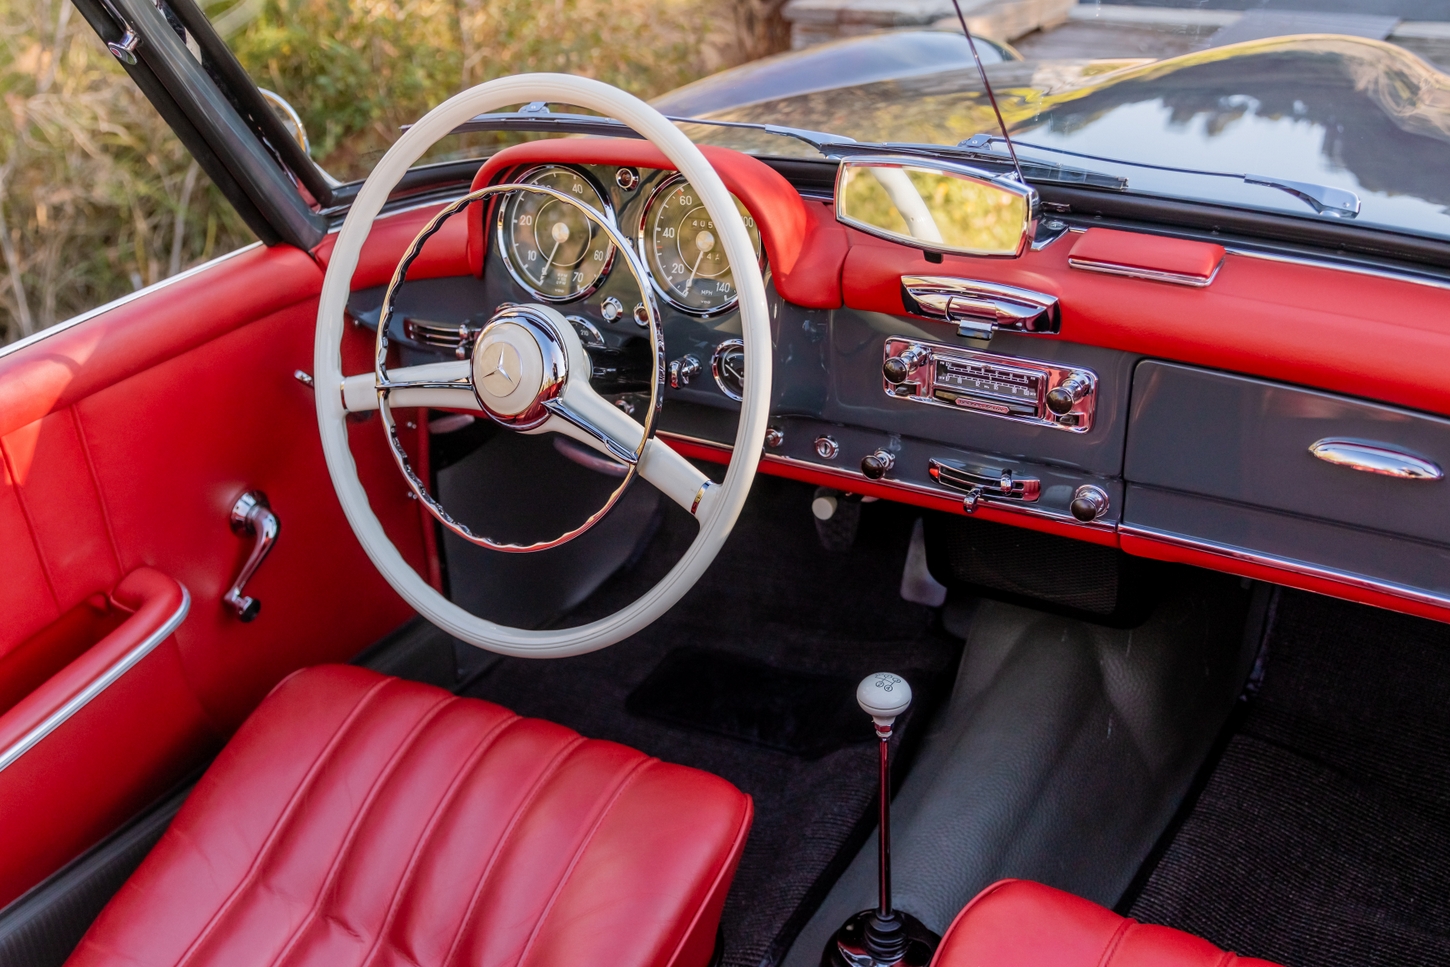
(155, 605)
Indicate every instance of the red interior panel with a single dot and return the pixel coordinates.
(1130, 251)
(803, 243)
(126, 439)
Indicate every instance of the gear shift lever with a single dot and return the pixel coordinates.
(883, 937)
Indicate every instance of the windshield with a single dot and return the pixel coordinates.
(1197, 103)
(1286, 125)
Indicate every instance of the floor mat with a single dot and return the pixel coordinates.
(801, 712)
(773, 598)
(1322, 837)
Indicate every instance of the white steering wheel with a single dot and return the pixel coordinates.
(550, 392)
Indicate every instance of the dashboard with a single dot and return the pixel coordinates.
(1200, 415)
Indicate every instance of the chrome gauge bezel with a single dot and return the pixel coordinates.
(506, 253)
(663, 291)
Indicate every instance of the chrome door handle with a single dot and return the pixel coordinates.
(251, 514)
(1375, 458)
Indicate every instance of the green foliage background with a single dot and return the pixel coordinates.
(97, 198)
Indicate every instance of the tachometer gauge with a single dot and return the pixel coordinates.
(549, 246)
(683, 250)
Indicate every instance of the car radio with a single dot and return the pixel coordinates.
(1010, 387)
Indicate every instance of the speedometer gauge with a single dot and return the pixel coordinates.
(686, 259)
(549, 246)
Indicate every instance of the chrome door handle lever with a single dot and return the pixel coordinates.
(251, 514)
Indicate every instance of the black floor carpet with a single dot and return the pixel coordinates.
(1322, 837)
(804, 619)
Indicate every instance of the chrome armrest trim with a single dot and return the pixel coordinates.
(96, 686)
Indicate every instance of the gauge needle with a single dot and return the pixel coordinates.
(704, 242)
(560, 232)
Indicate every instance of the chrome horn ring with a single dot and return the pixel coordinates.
(552, 338)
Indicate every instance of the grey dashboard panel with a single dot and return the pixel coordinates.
(1247, 441)
(1414, 570)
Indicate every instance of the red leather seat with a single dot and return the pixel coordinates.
(1016, 923)
(357, 819)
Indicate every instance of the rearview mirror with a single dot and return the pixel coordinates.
(936, 206)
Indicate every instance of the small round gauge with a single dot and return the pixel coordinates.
(550, 247)
(683, 250)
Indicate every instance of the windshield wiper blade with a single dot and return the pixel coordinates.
(1324, 199)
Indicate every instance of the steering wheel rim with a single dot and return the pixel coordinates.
(716, 518)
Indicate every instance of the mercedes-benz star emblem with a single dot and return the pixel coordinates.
(501, 369)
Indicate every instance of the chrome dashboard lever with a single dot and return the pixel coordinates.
(251, 514)
(980, 308)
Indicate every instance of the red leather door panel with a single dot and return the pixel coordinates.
(125, 440)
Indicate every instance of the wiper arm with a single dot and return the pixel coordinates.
(832, 146)
(535, 118)
(1339, 202)
(1324, 199)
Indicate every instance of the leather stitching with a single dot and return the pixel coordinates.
(360, 816)
(100, 497)
(485, 744)
(1118, 936)
(283, 819)
(24, 506)
(623, 783)
(555, 764)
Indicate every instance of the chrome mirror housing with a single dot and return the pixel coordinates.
(937, 206)
(293, 122)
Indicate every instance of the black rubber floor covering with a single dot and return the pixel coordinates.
(1322, 837)
(773, 598)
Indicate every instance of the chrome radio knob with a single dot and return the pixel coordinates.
(876, 465)
(1089, 503)
(1063, 397)
(898, 369)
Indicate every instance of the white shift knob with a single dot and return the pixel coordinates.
(883, 696)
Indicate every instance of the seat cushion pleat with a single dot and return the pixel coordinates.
(345, 923)
(360, 821)
(267, 912)
(227, 821)
(539, 851)
(466, 842)
(668, 823)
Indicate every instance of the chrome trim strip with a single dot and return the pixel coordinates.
(955, 496)
(1150, 275)
(129, 297)
(1374, 458)
(97, 685)
(1313, 263)
(1291, 565)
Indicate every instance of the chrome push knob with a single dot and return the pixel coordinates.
(877, 464)
(1063, 397)
(1089, 503)
(898, 369)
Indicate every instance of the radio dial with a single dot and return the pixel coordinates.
(1062, 398)
(897, 369)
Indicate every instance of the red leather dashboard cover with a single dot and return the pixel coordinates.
(804, 244)
(357, 819)
(1017, 923)
(1106, 249)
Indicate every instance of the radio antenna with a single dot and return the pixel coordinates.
(982, 72)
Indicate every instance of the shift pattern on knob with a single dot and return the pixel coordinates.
(883, 696)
